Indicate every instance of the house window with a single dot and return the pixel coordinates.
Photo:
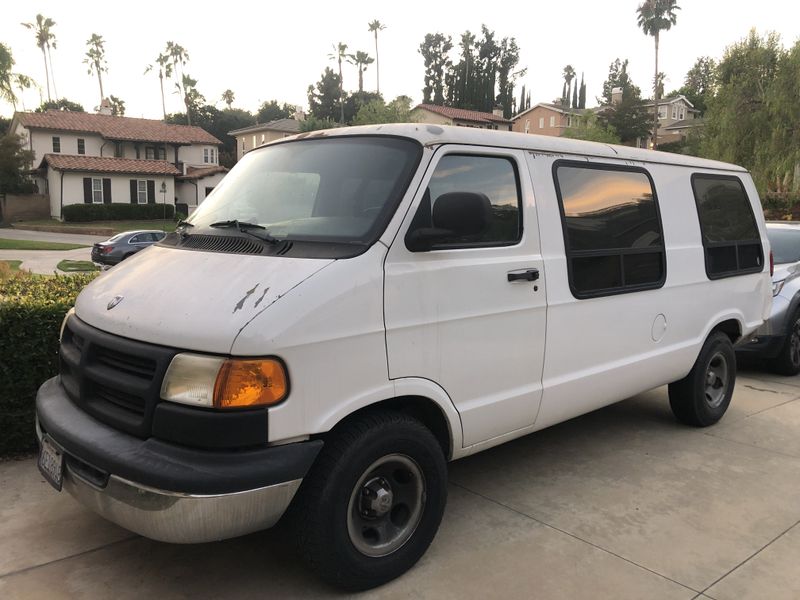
(527, 125)
(205, 155)
(552, 121)
(97, 191)
(612, 229)
(141, 191)
(541, 122)
(150, 153)
(56, 144)
(161, 153)
(118, 150)
(682, 113)
(242, 145)
(254, 141)
(81, 146)
(263, 137)
(730, 236)
(213, 156)
(662, 112)
(674, 112)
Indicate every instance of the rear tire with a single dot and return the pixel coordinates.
(788, 360)
(372, 503)
(702, 397)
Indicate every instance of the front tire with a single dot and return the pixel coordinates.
(702, 397)
(788, 360)
(373, 501)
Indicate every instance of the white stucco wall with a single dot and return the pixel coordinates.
(120, 188)
(188, 194)
(42, 143)
(193, 155)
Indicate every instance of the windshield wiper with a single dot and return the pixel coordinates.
(183, 223)
(245, 227)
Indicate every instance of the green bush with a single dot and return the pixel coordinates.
(83, 213)
(31, 311)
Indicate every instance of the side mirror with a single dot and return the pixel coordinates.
(454, 215)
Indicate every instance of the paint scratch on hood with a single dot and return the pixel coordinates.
(249, 293)
(261, 297)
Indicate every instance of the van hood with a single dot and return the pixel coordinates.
(189, 299)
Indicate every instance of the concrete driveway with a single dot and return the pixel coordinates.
(44, 262)
(620, 503)
(46, 236)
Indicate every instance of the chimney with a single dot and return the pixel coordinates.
(104, 108)
(498, 111)
(616, 96)
(299, 115)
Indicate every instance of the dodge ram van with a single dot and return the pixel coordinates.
(351, 309)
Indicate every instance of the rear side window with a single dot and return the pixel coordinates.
(730, 236)
(612, 229)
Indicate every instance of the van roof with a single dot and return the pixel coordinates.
(429, 134)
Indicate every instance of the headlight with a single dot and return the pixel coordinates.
(777, 286)
(216, 382)
(70, 312)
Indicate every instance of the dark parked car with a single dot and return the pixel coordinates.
(121, 246)
(777, 342)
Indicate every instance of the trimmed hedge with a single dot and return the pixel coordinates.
(31, 311)
(82, 213)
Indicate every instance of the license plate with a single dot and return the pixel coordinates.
(51, 463)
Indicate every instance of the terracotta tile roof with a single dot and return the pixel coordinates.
(102, 164)
(117, 128)
(200, 172)
(463, 114)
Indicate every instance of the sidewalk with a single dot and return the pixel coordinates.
(44, 262)
(621, 503)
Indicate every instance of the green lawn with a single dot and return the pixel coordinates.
(115, 226)
(71, 266)
(31, 245)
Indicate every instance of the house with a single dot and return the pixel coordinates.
(447, 115)
(676, 118)
(547, 119)
(99, 158)
(254, 136)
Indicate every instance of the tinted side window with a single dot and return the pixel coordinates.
(612, 229)
(496, 179)
(730, 235)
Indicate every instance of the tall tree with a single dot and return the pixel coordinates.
(15, 161)
(618, 78)
(228, 97)
(272, 111)
(60, 104)
(179, 57)
(569, 75)
(506, 75)
(339, 54)
(96, 60)
(9, 80)
(700, 83)
(582, 94)
(434, 52)
(361, 60)
(658, 84)
(575, 95)
(627, 118)
(45, 39)
(522, 99)
(117, 106)
(376, 26)
(323, 96)
(192, 98)
(655, 16)
(164, 62)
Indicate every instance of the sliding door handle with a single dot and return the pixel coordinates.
(527, 275)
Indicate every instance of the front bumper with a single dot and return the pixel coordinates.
(164, 491)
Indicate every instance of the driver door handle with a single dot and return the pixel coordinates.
(527, 275)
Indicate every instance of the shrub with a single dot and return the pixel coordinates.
(31, 311)
(83, 213)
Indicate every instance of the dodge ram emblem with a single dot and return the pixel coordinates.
(114, 301)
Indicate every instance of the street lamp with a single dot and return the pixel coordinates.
(164, 205)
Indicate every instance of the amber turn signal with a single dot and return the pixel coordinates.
(257, 382)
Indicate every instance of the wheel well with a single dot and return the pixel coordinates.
(731, 328)
(423, 409)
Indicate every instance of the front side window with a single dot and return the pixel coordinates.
(730, 235)
(335, 190)
(81, 146)
(56, 144)
(494, 179)
(612, 229)
(141, 191)
(97, 191)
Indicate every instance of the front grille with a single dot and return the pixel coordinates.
(221, 243)
(114, 379)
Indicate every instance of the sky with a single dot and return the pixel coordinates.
(275, 50)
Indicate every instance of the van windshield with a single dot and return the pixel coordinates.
(339, 189)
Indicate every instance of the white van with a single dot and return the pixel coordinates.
(350, 309)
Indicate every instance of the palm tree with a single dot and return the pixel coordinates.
(96, 60)
(179, 57)
(339, 53)
(228, 97)
(360, 60)
(376, 26)
(45, 39)
(569, 75)
(655, 16)
(164, 70)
